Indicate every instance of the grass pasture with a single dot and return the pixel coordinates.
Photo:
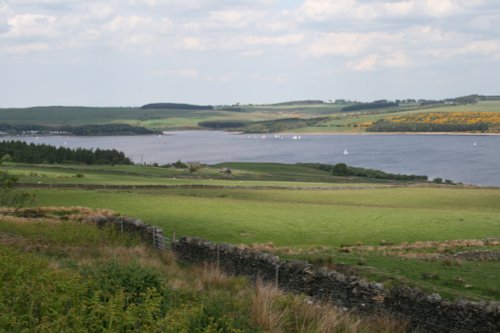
(389, 233)
(59, 274)
(303, 218)
(298, 223)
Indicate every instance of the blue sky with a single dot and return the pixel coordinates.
(133, 52)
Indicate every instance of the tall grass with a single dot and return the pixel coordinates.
(278, 312)
(99, 282)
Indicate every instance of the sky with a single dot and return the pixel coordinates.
(134, 52)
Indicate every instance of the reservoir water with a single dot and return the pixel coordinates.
(471, 159)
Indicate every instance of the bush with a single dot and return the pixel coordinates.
(340, 169)
(193, 167)
(133, 280)
(11, 197)
(180, 165)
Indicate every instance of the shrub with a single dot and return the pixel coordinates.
(132, 279)
(180, 165)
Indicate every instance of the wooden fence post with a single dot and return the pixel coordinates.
(277, 276)
(218, 256)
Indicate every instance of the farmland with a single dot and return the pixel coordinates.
(61, 273)
(285, 117)
(385, 231)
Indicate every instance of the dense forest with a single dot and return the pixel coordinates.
(22, 152)
(223, 124)
(367, 106)
(341, 169)
(84, 130)
(267, 126)
(176, 106)
(304, 102)
(389, 126)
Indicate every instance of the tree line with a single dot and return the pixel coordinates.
(367, 106)
(342, 169)
(389, 126)
(22, 152)
(176, 106)
(83, 130)
(266, 126)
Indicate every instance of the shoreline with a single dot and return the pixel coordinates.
(173, 132)
(368, 133)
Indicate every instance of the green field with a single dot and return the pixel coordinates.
(60, 274)
(383, 231)
(242, 174)
(303, 218)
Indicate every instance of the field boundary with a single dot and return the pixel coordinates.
(230, 187)
(424, 312)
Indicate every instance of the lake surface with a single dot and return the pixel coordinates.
(472, 159)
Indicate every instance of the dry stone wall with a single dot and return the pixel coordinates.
(150, 234)
(424, 312)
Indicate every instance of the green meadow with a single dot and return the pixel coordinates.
(302, 218)
(61, 275)
(383, 230)
(316, 225)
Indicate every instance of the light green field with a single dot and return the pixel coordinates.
(315, 225)
(303, 218)
(306, 221)
(242, 174)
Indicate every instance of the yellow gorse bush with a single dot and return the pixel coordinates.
(450, 118)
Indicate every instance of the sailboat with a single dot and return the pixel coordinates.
(475, 143)
(346, 152)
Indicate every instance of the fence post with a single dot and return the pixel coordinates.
(218, 256)
(121, 226)
(173, 236)
(277, 276)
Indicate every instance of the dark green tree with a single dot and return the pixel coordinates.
(9, 195)
(340, 169)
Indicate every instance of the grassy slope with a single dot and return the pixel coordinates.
(174, 119)
(300, 220)
(307, 219)
(60, 275)
(303, 219)
(243, 174)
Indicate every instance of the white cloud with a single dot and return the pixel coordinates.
(191, 43)
(281, 40)
(26, 48)
(320, 10)
(350, 43)
(32, 25)
(377, 62)
(128, 23)
(183, 72)
(480, 48)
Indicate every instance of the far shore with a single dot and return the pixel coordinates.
(171, 132)
(365, 133)
(385, 133)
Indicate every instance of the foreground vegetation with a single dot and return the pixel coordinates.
(394, 232)
(62, 275)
